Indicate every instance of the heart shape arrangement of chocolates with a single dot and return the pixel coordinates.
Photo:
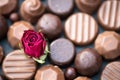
(83, 39)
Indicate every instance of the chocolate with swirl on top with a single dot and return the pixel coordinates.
(7, 6)
(31, 10)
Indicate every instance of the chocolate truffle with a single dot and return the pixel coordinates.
(88, 62)
(62, 52)
(81, 28)
(82, 78)
(31, 10)
(3, 27)
(88, 6)
(109, 15)
(17, 66)
(70, 73)
(14, 17)
(61, 8)
(1, 54)
(50, 25)
(108, 44)
(8, 6)
(111, 71)
(16, 31)
(49, 72)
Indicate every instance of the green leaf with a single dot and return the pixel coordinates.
(43, 57)
(39, 61)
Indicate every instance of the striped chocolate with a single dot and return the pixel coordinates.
(111, 71)
(109, 15)
(81, 28)
(17, 66)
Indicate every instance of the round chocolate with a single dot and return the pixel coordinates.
(81, 28)
(70, 73)
(14, 17)
(49, 72)
(1, 54)
(8, 6)
(50, 25)
(88, 62)
(61, 8)
(18, 66)
(109, 15)
(88, 6)
(31, 10)
(82, 78)
(111, 71)
(16, 31)
(108, 44)
(3, 27)
(62, 52)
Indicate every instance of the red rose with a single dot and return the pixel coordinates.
(33, 43)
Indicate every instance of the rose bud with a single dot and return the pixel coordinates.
(33, 43)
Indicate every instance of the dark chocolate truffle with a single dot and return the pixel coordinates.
(88, 62)
(50, 25)
(108, 44)
(16, 31)
(49, 72)
(31, 10)
(14, 17)
(3, 27)
(111, 71)
(70, 73)
(109, 15)
(88, 6)
(61, 8)
(8, 6)
(81, 28)
(1, 54)
(62, 52)
(18, 66)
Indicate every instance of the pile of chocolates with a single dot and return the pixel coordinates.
(71, 27)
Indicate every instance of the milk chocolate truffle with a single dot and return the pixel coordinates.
(18, 66)
(1, 54)
(3, 27)
(49, 72)
(8, 6)
(70, 73)
(31, 10)
(81, 28)
(16, 31)
(88, 62)
(88, 6)
(62, 52)
(111, 71)
(109, 15)
(108, 44)
(50, 25)
(82, 78)
(14, 17)
(61, 8)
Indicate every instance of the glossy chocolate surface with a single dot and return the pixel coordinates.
(1, 54)
(31, 10)
(49, 72)
(88, 62)
(16, 31)
(82, 78)
(81, 28)
(8, 6)
(17, 66)
(111, 71)
(50, 25)
(108, 44)
(3, 27)
(62, 52)
(109, 15)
